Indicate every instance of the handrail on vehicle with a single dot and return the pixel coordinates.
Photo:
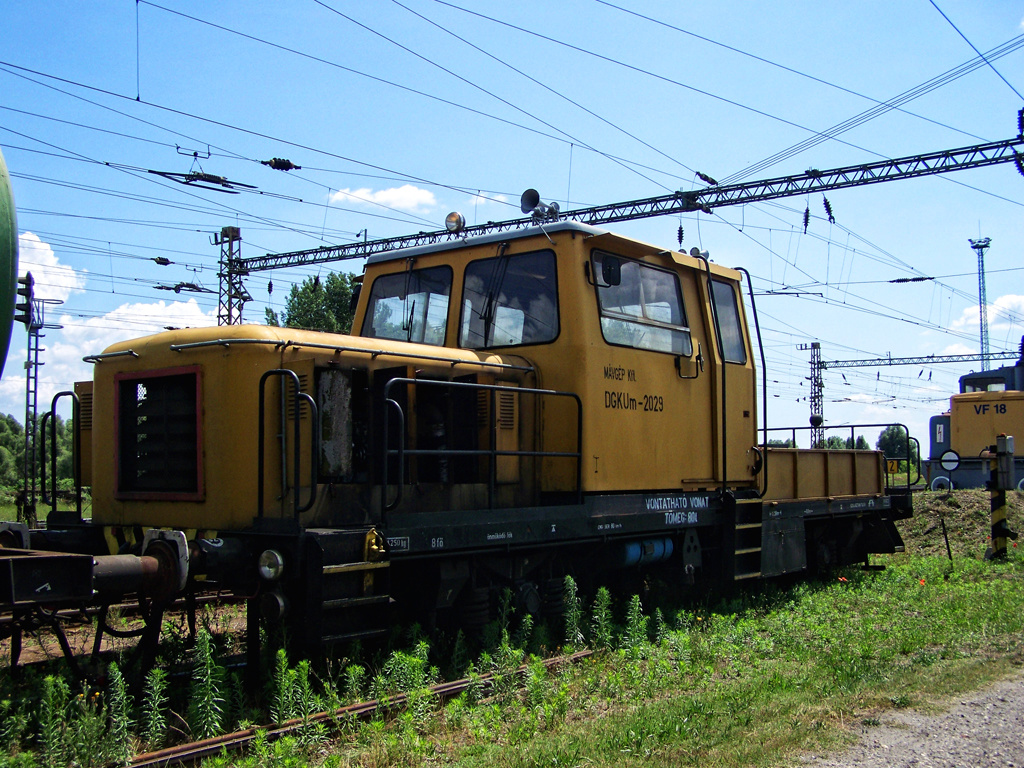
(853, 428)
(764, 383)
(300, 397)
(492, 452)
(76, 453)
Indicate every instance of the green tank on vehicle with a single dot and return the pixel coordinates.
(8, 260)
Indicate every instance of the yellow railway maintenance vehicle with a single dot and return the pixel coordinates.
(990, 403)
(510, 408)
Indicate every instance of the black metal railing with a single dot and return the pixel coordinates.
(49, 419)
(909, 456)
(296, 408)
(492, 452)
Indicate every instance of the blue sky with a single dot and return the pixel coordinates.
(399, 112)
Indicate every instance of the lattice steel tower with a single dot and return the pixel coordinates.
(981, 245)
(817, 395)
(233, 295)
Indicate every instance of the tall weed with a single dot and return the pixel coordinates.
(601, 619)
(53, 716)
(206, 698)
(634, 636)
(573, 615)
(119, 738)
(154, 704)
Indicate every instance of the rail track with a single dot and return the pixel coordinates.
(184, 753)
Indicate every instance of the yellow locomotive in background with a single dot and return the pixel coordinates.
(510, 408)
(990, 403)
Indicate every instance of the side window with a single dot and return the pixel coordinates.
(641, 306)
(509, 300)
(159, 435)
(409, 306)
(730, 331)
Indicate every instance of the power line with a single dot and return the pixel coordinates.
(775, 64)
(859, 119)
(546, 87)
(477, 86)
(954, 26)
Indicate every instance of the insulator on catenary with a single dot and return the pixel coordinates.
(706, 179)
(807, 218)
(828, 210)
(281, 164)
(1020, 122)
(679, 234)
(270, 287)
(1018, 160)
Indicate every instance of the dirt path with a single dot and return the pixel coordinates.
(981, 729)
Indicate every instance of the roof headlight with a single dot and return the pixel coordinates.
(455, 222)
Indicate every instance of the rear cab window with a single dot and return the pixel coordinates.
(641, 305)
(727, 322)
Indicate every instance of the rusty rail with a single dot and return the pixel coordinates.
(234, 741)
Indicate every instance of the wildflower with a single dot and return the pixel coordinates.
(922, 582)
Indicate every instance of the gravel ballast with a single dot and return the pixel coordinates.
(980, 729)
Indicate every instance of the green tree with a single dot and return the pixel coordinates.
(318, 305)
(836, 442)
(12, 452)
(892, 441)
(788, 443)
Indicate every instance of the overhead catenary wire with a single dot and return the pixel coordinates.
(985, 58)
(777, 65)
(802, 261)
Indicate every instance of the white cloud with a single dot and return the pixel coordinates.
(131, 321)
(481, 200)
(403, 198)
(53, 280)
(1003, 314)
(1006, 310)
(859, 397)
(961, 349)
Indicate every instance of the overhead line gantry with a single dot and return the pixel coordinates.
(923, 360)
(705, 200)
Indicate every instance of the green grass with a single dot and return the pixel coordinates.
(781, 673)
(754, 680)
(9, 512)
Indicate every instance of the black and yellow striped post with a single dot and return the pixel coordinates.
(1002, 479)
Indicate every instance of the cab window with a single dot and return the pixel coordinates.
(985, 385)
(509, 301)
(727, 315)
(641, 305)
(409, 306)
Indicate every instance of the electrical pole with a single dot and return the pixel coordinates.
(818, 383)
(981, 245)
(817, 395)
(30, 311)
(233, 294)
